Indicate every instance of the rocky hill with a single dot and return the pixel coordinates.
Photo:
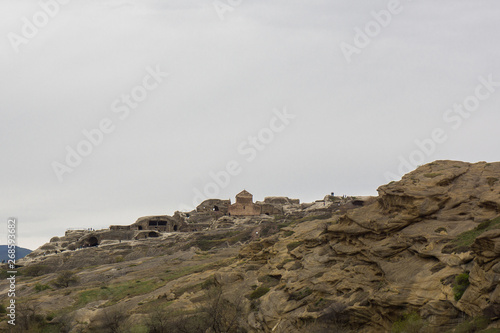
(424, 256)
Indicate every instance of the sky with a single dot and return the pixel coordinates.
(115, 109)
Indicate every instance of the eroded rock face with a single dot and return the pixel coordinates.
(376, 262)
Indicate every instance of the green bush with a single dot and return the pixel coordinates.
(461, 284)
(259, 292)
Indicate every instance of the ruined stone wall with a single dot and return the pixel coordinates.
(239, 209)
(269, 209)
(157, 223)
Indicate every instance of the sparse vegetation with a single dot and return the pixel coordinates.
(269, 280)
(300, 294)
(408, 323)
(472, 325)
(463, 241)
(291, 246)
(41, 287)
(210, 241)
(313, 218)
(116, 292)
(35, 270)
(259, 292)
(110, 320)
(65, 279)
(461, 284)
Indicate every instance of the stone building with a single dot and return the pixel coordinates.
(163, 223)
(244, 205)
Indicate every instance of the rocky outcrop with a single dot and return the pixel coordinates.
(393, 256)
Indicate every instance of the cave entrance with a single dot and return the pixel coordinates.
(216, 208)
(92, 241)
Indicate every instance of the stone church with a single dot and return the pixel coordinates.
(244, 205)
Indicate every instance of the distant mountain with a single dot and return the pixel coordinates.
(21, 252)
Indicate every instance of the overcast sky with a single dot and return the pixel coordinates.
(292, 98)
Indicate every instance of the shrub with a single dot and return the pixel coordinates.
(65, 279)
(460, 285)
(55, 239)
(41, 287)
(3, 309)
(259, 292)
(71, 247)
(109, 320)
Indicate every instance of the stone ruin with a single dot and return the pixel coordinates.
(210, 214)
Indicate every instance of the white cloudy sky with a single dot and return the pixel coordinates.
(354, 121)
